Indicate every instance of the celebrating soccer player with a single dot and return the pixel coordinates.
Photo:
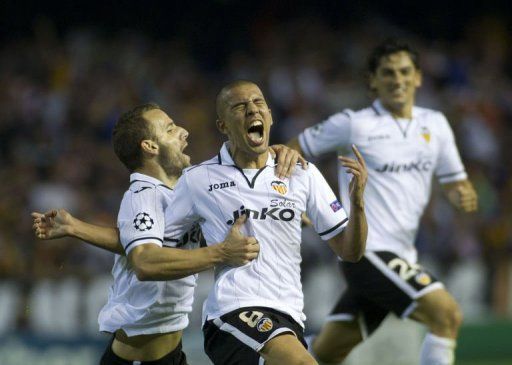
(256, 311)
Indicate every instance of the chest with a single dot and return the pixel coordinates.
(260, 195)
(391, 146)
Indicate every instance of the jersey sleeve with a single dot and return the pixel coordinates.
(182, 215)
(141, 219)
(449, 164)
(323, 208)
(327, 136)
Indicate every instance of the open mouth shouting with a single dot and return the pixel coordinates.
(255, 133)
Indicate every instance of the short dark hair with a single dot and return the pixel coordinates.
(388, 47)
(219, 99)
(130, 130)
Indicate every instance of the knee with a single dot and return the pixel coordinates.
(332, 355)
(448, 317)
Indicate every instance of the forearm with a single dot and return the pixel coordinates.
(351, 245)
(294, 143)
(106, 238)
(154, 263)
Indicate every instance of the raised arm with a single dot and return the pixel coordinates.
(461, 195)
(351, 243)
(58, 223)
(152, 262)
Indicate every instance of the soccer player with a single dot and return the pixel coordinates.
(255, 312)
(147, 317)
(404, 147)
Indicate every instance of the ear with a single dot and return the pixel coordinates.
(221, 126)
(149, 146)
(419, 78)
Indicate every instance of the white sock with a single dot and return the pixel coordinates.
(437, 350)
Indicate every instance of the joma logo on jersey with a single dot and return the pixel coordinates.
(279, 186)
(277, 214)
(222, 185)
(406, 167)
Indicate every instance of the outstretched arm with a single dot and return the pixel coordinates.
(152, 262)
(58, 223)
(462, 195)
(351, 243)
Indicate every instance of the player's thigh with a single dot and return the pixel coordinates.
(286, 349)
(336, 339)
(438, 309)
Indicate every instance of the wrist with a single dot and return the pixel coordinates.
(71, 229)
(218, 253)
(356, 204)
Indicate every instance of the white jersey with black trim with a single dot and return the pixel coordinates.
(217, 192)
(402, 157)
(148, 307)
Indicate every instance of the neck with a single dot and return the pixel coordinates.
(403, 111)
(246, 161)
(158, 173)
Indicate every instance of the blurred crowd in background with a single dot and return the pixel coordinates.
(61, 95)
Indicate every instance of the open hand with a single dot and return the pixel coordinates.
(359, 176)
(56, 223)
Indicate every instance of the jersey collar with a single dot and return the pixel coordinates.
(225, 157)
(380, 110)
(137, 176)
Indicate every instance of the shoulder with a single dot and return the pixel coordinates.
(429, 114)
(301, 174)
(142, 193)
(200, 168)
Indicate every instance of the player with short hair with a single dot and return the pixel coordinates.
(404, 147)
(255, 311)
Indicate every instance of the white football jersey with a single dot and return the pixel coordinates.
(217, 192)
(147, 307)
(402, 157)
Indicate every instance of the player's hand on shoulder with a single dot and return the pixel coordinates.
(55, 223)
(238, 249)
(287, 159)
(356, 167)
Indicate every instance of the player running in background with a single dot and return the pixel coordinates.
(404, 147)
(256, 311)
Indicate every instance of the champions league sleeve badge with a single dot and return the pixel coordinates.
(143, 222)
(335, 206)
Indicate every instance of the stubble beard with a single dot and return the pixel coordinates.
(172, 163)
